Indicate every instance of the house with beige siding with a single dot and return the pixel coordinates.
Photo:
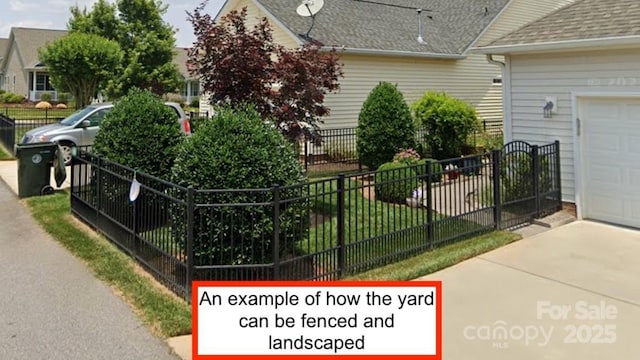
(21, 71)
(581, 63)
(378, 41)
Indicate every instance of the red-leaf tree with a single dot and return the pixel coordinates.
(238, 65)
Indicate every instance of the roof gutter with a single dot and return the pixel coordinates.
(610, 42)
(356, 51)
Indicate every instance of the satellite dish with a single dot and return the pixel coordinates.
(310, 7)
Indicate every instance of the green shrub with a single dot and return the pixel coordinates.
(11, 98)
(45, 96)
(140, 132)
(395, 182)
(516, 176)
(384, 126)
(436, 169)
(195, 103)
(448, 121)
(236, 149)
(63, 97)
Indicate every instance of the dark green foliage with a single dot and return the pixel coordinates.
(195, 102)
(436, 169)
(384, 126)
(236, 149)
(63, 97)
(140, 132)
(448, 121)
(517, 175)
(395, 182)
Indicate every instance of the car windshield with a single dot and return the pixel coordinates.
(73, 118)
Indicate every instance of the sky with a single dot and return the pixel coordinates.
(54, 14)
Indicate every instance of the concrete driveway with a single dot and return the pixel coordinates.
(568, 293)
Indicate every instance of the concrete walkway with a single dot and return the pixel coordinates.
(52, 307)
(568, 293)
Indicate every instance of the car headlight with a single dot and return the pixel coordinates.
(42, 138)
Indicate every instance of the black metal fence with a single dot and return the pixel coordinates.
(15, 122)
(322, 229)
(7, 132)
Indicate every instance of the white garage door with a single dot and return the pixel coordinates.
(611, 160)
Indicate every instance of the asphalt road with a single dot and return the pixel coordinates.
(51, 306)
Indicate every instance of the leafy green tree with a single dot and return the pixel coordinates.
(81, 64)
(147, 41)
(448, 121)
(384, 126)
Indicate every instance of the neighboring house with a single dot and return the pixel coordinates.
(585, 60)
(378, 41)
(22, 72)
(191, 90)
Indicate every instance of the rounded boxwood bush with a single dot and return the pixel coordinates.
(236, 149)
(140, 132)
(385, 126)
(448, 122)
(395, 182)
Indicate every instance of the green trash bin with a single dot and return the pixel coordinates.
(34, 168)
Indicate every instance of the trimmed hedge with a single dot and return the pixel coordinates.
(395, 182)
(236, 149)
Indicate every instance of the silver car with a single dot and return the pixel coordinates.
(80, 128)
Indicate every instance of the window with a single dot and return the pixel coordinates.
(42, 82)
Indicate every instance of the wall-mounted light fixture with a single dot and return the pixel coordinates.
(550, 106)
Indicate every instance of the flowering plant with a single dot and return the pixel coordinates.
(406, 156)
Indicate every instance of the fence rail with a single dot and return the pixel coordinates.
(7, 132)
(16, 121)
(316, 230)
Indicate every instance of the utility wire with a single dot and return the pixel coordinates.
(390, 5)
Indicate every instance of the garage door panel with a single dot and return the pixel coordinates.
(610, 153)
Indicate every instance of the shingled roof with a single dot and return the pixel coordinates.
(582, 20)
(29, 40)
(370, 25)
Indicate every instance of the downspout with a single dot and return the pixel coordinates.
(506, 97)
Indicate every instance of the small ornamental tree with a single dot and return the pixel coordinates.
(448, 122)
(384, 126)
(236, 149)
(237, 64)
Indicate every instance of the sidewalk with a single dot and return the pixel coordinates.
(52, 305)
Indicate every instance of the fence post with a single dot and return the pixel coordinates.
(306, 155)
(497, 201)
(191, 207)
(430, 234)
(98, 188)
(276, 232)
(558, 170)
(535, 155)
(340, 227)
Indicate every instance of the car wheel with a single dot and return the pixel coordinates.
(66, 152)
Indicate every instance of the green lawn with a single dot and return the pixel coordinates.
(30, 113)
(440, 258)
(375, 231)
(4, 155)
(165, 314)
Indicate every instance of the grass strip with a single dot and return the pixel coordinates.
(440, 258)
(166, 315)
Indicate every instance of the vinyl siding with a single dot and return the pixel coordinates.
(14, 67)
(517, 14)
(470, 79)
(534, 77)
